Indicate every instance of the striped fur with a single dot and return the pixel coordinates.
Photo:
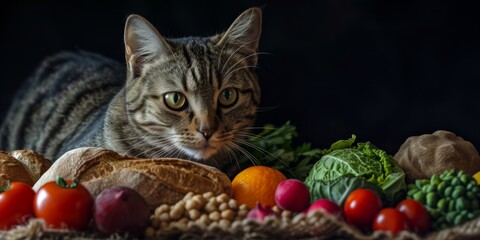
(84, 99)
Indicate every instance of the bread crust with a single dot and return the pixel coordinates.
(158, 180)
(22, 166)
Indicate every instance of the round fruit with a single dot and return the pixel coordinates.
(390, 220)
(416, 214)
(361, 206)
(16, 204)
(256, 184)
(476, 176)
(292, 195)
(64, 204)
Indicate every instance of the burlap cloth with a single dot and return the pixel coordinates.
(315, 226)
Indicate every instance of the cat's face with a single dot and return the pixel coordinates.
(192, 97)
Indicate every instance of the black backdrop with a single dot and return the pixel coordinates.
(383, 70)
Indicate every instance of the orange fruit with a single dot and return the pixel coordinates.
(256, 183)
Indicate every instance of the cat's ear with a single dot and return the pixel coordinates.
(142, 43)
(245, 30)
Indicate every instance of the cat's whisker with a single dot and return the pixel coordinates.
(259, 149)
(269, 127)
(242, 59)
(248, 134)
(237, 69)
(234, 52)
(161, 150)
(231, 152)
(144, 142)
(265, 109)
(221, 54)
(250, 156)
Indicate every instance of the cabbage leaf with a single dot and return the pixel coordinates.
(333, 176)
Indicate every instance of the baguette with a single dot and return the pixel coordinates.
(159, 180)
(22, 166)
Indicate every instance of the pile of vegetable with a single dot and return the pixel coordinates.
(356, 183)
(451, 198)
(67, 204)
(334, 177)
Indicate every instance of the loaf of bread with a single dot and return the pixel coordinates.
(428, 154)
(22, 166)
(160, 180)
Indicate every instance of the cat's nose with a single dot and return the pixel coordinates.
(206, 133)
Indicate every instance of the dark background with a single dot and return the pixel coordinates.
(383, 70)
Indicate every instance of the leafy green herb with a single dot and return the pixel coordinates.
(274, 147)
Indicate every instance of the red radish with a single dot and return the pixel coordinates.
(121, 210)
(326, 206)
(292, 195)
(260, 212)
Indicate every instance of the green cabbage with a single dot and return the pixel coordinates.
(345, 168)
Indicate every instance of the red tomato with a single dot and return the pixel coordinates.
(390, 220)
(416, 214)
(64, 206)
(361, 206)
(16, 205)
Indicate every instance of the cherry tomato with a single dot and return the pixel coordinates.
(416, 214)
(64, 204)
(361, 206)
(390, 220)
(16, 204)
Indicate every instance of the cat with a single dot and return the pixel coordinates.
(193, 98)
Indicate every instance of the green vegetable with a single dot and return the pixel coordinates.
(451, 198)
(274, 147)
(363, 161)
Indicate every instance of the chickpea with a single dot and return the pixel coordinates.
(192, 204)
(177, 212)
(222, 198)
(183, 220)
(162, 209)
(211, 206)
(194, 214)
(244, 207)
(228, 214)
(224, 223)
(242, 213)
(188, 195)
(213, 226)
(208, 195)
(164, 217)
(200, 199)
(223, 206)
(214, 216)
(232, 203)
(203, 219)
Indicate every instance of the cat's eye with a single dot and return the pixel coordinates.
(175, 100)
(228, 97)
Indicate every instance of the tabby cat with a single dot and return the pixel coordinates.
(193, 98)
